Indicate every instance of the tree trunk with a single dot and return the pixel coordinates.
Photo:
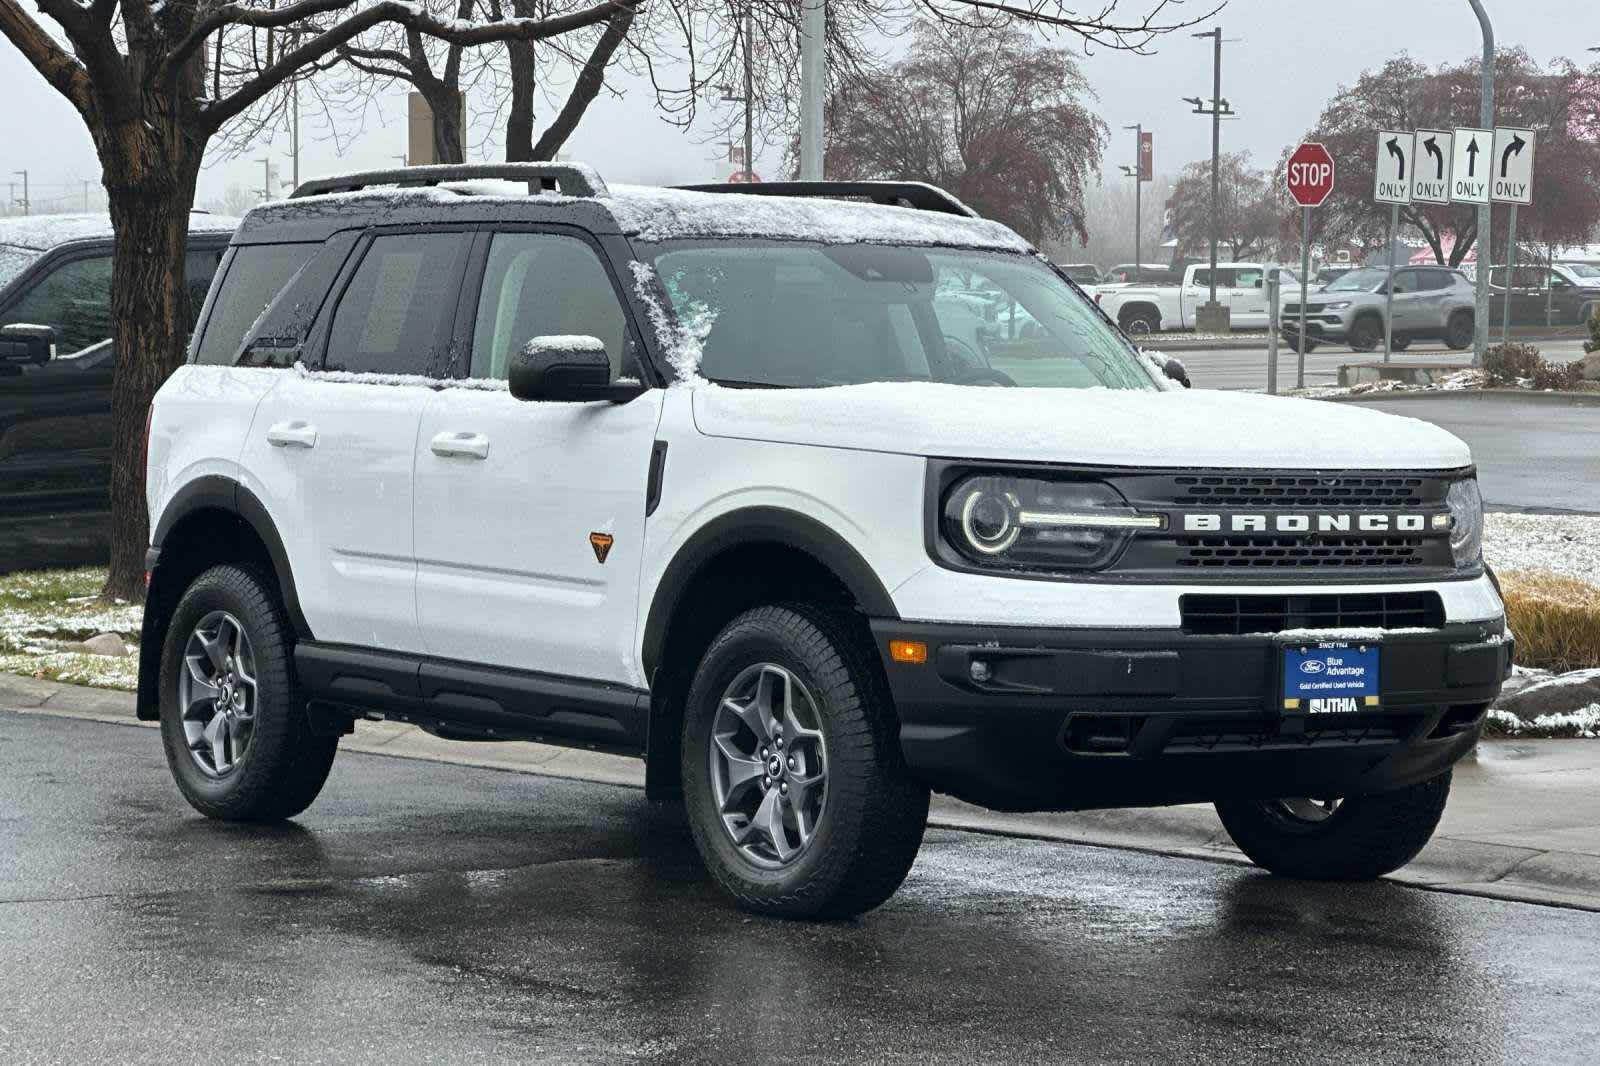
(150, 199)
(448, 135)
(519, 121)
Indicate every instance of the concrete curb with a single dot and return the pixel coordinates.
(1571, 399)
(1452, 862)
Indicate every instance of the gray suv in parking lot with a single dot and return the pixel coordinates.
(1430, 302)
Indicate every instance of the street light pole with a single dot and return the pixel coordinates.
(1216, 316)
(812, 80)
(749, 90)
(1138, 182)
(26, 206)
(1480, 317)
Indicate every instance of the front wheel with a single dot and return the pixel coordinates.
(1399, 344)
(233, 722)
(1354, 839)
(1366, 334)
(798, 797)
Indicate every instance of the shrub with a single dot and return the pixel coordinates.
(1506, 365)
(1556, 619)
(1549, 375)
(1593, 343)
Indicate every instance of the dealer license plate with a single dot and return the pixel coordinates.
(1330, 677)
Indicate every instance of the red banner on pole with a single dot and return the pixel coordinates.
(1146, 157)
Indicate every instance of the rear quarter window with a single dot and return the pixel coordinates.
(255, 277)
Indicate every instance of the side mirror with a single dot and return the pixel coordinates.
(22, 345)
(1175, 370)
(1260, 282)
(566, 369)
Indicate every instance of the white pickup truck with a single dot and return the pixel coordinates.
(1158, 308)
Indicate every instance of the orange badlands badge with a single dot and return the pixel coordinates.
(601, 543)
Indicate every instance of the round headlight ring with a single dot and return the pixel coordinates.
(989, 521)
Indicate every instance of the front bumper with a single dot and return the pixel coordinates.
(1076, 719)
(1323, 326)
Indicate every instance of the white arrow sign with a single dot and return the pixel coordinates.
(1392, 184)
(1469, 167)
(1430, 159)
(1511, 178)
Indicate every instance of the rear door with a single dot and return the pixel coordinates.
(332, 444)
(530, 515)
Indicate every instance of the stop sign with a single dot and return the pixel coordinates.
(1310, 174)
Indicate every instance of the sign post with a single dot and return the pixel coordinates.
(1393, 177)
(1469, 167)
(1274, 279)
(1309, 176)
(1511, 178)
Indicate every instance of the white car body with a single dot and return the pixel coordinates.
(1169, 308)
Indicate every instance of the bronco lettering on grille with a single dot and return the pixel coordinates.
(1304, 523)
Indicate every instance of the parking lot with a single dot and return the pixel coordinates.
(424, 912)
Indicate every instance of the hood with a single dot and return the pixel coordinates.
(1198, 428)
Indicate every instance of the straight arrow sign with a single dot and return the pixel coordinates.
(1430, 178)
(1392, 175)
(1470, 165)
(1512, 181)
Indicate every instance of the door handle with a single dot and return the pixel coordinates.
(293, 434)
(472, 445)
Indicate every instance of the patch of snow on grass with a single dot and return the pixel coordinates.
(1583, 724)
(1568, 545)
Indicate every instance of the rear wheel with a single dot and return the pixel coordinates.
(233, 722)
(1353, 839)
(799, 800)
(1458, 331)
(1141, 320)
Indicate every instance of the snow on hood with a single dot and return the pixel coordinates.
(1092, 426)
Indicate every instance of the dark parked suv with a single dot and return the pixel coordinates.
(56, 365)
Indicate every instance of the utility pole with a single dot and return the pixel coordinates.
(749, 90)
(1136, 172)
(1214, 317)
(813, 79)
(24, 200)
(1480, 316)
(86, 197)
(294, 132)
(266, 179)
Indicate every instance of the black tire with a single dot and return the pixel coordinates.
(1140, 321)
(284, 764)
(1366, 333)
(870, 826)
(1458, 332)
(1399, 344)
(1365, 836)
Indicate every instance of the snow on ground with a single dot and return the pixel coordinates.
(40, 613)
(1584, 723)
(1559, 544)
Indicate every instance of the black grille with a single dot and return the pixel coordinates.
(1306, 491)
(1232, 615)
(1324, 551)
(1201, 735)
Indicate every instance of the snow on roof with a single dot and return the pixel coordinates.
(656, 214)
(43, 232)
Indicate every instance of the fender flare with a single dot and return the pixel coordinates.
(216, 492)
(759, 525)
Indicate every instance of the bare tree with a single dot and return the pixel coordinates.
(136, 72)
(989, 114)
(1249, 207)
(1108, 210)
(234, 202)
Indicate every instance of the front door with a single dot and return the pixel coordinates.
(332, 447)
(1248, 298)
(530, 515)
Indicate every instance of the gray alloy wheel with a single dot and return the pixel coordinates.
(1303, 809)
(217, 694)
(769, 765)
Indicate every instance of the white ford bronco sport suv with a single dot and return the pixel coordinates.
(769, 491)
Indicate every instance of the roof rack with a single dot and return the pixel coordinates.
(569, 179)
(914, 194)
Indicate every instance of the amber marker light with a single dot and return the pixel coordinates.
(908, 651)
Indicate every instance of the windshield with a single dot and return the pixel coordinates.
(798, 314)
(14, 259)
(1358, 280)
(1584, 270)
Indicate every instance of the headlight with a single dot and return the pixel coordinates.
(1034, 523)
(1337, 305)
(1466, 522)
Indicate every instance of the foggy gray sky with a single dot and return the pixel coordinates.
(1288, 58)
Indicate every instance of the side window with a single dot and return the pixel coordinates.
(74, 299)
(545, 284)
(256, 275)
(1436, 280)
(1247, 277)
(1405, 281)
(396, 314)
(199, 267)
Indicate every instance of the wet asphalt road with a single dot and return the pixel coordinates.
(423, 912)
